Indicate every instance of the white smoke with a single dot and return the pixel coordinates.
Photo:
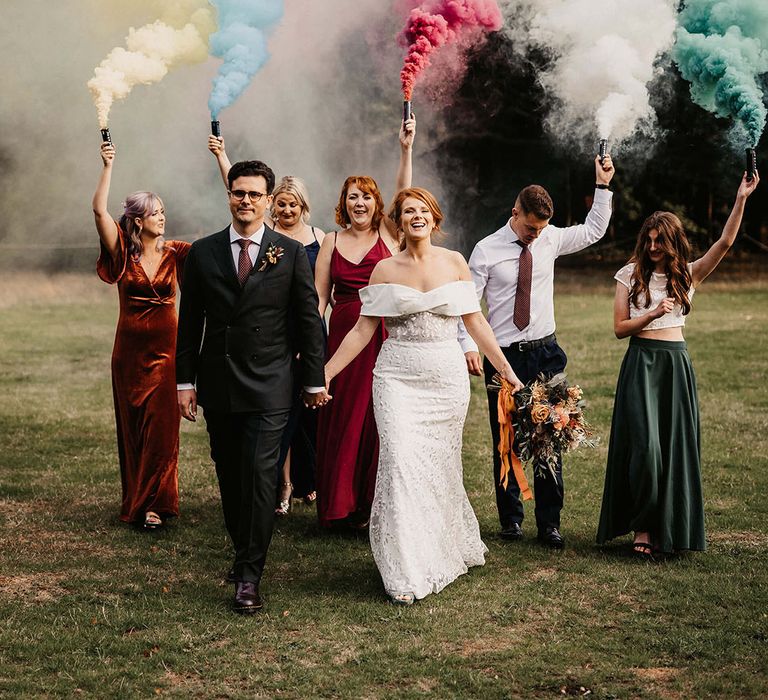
(151, 51)
(601, 58)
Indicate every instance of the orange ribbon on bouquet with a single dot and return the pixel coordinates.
(506, 405)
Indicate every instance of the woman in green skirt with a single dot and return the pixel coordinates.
(653, 477)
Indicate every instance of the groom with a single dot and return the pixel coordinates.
(248, 306)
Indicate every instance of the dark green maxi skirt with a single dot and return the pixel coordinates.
(653, 476)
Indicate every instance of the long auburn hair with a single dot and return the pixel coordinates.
(674, 244)
(365, 184)
(138, 205)
(396, 211)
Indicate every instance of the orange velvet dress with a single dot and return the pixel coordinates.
(144, 379)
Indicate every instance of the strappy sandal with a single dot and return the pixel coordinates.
(642, 551)
(284, 507)
(402, 598)
(152, 521)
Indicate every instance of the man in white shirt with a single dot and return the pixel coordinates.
(514, 270)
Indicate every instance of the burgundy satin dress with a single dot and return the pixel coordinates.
(347, 439)
(144, 379)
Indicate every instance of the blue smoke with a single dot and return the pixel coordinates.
(242, 42)
(722, 50)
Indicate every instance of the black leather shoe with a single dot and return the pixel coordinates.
(247, 598)
(513, 531)
(552, 538)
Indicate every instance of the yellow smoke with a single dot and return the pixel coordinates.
(179, 36)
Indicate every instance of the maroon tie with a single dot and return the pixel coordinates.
(522, 314)
(244, 263)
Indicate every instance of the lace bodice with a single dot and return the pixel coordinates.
(422, 327)
(658, 289)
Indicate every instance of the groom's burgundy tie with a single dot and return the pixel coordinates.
(244, 263)
(522, 314)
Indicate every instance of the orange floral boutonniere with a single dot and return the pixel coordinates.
(271, 257)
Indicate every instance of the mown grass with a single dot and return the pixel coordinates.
(92, 608)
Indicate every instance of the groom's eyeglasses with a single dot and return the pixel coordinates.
(240, 195)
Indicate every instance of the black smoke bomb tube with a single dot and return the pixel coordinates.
(602, 149)
(216, 128)
(751, 163)
(406, 110)
(106, 137)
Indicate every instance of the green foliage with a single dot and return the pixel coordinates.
(93, 608)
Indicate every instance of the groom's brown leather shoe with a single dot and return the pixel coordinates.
(247, 598)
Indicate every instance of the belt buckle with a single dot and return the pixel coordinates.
(522, 346)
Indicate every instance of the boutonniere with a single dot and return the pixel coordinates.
(271, 257)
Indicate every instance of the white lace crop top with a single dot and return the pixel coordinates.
(658, 290)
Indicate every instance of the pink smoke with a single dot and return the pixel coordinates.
(435, 23)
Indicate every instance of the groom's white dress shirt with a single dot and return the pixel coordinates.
(494, 265)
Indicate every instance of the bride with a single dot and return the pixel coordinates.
(424, 533)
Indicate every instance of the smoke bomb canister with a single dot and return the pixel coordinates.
(602, 149)
(216, 128)
(106, 137)
(751, 163)
(406, 110)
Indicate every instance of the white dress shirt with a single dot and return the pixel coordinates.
(494, 264)
(253, 249)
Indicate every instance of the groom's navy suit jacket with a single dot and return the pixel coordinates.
(238, 344)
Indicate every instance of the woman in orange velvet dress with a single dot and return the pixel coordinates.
(147, 270)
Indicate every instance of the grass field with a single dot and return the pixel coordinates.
(93, 608)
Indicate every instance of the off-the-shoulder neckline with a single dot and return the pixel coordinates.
(413, 289)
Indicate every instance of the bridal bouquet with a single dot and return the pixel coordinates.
(542, 420)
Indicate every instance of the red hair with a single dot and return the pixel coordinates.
(364, 184)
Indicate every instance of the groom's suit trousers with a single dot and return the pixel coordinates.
(548, 360)
(245, 447)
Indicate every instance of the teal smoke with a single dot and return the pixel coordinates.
(241, 41)
(722, 50)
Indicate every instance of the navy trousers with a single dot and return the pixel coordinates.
(548, 360)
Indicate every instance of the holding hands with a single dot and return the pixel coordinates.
(316, 399)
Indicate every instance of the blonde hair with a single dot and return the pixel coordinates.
(295, 187)
(137, 206)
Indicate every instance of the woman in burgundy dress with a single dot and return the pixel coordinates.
(347, 440)
(147, 270)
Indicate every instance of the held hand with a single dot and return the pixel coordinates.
(511, 377)
(408, 132)
(187, 399)
(216, 145)
(604, 171)
(107, 153)
(666, 305)
(474, 363)
(315, 400)
(747, 187)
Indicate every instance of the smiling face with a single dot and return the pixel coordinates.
(287, 210)
(528, 227)
(416, 219)
(360, 207)
(250, 209)
(153, 222)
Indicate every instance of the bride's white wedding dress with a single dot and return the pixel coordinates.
(424, 533)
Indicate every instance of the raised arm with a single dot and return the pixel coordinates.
(323, 272)
(404, 172)
(105, 224)
(575, 238)
(710, 260)
(216, 146)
